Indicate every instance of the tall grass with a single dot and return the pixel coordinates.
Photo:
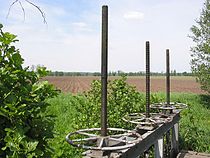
(63, 108)
(194, 124)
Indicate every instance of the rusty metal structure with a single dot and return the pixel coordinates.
(167, 78)
(104, 68)
(147, 79)
(96, 140)
(158, 128)
(148, 121)
(168, 106)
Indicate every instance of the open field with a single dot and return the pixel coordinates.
(78, 84)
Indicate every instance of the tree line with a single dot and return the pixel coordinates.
(118, 73)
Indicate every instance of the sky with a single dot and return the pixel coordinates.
(71, 39)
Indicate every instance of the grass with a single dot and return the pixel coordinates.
(63, 108)
(194, 124)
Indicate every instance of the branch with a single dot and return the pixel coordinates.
(11, 7)
(31, 3)
(39, 9)
(24, 14)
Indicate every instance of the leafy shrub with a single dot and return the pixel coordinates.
(122, 99)
(25, 129)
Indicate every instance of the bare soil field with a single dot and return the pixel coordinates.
(78, 84)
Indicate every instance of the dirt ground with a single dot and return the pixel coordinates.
(78, 84)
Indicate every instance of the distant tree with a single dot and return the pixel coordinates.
(120, 73)
(96, 74)
(114, 73)
(200, 62)
(174, 72)
(184, 73)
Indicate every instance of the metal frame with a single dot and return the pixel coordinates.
(125, 139)
(170, 106)
(151, 137)
(150, 121)
(150, 127)
(137, 118)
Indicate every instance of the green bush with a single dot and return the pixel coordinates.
(122, 99)
(25, 129)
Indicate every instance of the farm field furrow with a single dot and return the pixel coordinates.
(78, 84)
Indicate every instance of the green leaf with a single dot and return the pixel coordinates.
(9, 38)
(17, 59)
(32, 146)
(3, 112)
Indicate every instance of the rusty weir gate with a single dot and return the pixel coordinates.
(158, 130)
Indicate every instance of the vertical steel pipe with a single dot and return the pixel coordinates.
(168, 100)
(167, 78)
(104, 63)
(147, 79)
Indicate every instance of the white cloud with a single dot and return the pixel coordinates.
(79, 24)
(58, 11)
(134, 15)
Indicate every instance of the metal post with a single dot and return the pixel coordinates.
(147, 79)
(175, 140)
(159, 148)
(104, 51)
(167, 77)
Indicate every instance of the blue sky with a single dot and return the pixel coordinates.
(71, 39)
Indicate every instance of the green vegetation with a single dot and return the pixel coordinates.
(82, 111)
(122, 99)
(195, 123)
(200, 62)
(63, 107)
(25, 128)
